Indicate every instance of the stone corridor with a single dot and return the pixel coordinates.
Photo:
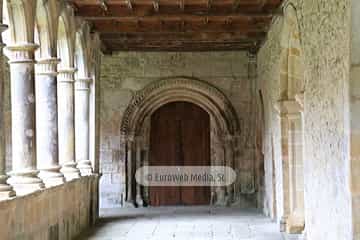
(183, 223)
(91, 91)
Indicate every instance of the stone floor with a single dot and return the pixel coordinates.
(182, 223)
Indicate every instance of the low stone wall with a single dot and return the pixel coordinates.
(60, 212)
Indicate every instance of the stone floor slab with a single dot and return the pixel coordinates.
(183, 223)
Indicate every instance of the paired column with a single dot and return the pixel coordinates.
(24, 175)
(82, 140)
(47, 122)
(66, 123)
(6, 190)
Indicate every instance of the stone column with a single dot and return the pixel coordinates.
(66, 123)
(229, 157)
(292, 220)
(139, 200)
(285, 169)
(82, 139)
(131, 165)
(24, 175)
(6, 190)
(46, 122)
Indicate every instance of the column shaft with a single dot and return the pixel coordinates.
(66, 124)
(6, 190)
(229, 157)
(46, 122)
(24, 175)
(82, 139)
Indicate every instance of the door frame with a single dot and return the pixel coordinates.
(224, 138)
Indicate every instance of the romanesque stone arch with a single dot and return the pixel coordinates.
(153, 96)
(135, 132)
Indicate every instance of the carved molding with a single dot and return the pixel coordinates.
(22, 53)
(47, 66)
(156, 94)
(66, 75)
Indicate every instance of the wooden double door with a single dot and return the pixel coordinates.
(180, 136)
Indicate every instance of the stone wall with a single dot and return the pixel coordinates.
(324, 27)
(124, 73)
(60, 212)
(355, 115)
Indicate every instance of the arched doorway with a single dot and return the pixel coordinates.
(179, 136)
(224, 133)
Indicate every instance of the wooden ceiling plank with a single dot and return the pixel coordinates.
(179, 25)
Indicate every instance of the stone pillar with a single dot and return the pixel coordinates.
(131, 165)
(82, 139)
(46, 122)
(66, 123)
(139, 199)
(24, 175)
(292, 220)
(285, 169)
(6, 190)
(229, 157)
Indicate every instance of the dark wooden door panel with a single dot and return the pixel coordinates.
(180, 135)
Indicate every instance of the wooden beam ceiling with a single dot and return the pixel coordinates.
(179, 25)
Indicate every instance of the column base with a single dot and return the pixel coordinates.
(220, 198)
(70, 171)
(7, 194)
(52, 176)
(139, 200)
(85, 167)
(295, 223)
(6, 191)
(283, 224)
(25, 182)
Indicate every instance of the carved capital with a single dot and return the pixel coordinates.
(82, 84)
(47, 66)
(288, 107)
(22, 53)
(66, 75)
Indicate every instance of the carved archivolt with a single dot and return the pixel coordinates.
(153, 96)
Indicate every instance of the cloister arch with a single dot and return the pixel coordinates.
(66, 37)
(135, 128)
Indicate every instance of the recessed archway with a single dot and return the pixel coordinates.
(135, 129)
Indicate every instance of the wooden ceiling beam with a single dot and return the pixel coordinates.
(179, 25)
(180, 46)
(138, 26)
(198, 36)
(245, 18)
(116, 10)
